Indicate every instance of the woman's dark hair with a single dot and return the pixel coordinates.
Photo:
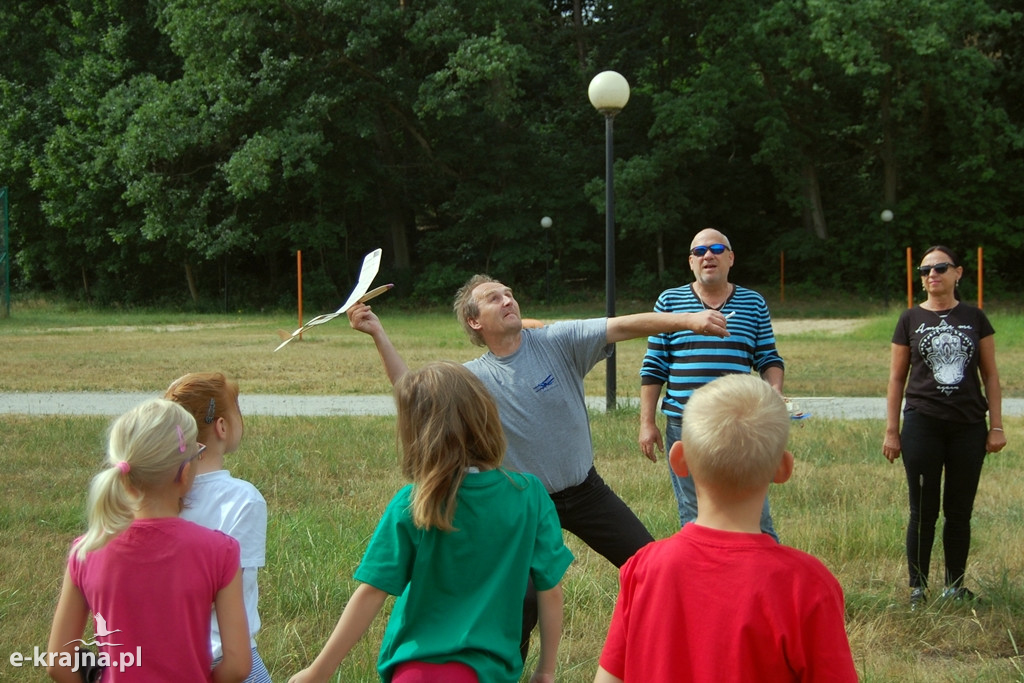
(953, 258)
(945, 250)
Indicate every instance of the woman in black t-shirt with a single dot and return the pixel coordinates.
(943, 355)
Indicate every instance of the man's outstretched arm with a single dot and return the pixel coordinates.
(361, 318)
(708, 322)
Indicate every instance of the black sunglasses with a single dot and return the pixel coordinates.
(716, 249)
(939, 268)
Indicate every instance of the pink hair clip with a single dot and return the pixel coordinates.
(124, 467)
(181, 440)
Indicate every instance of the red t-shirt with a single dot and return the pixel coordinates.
(150, 590)
(709, 605)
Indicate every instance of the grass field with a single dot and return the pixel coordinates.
(326, 481)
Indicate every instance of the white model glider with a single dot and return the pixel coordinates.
(371, 264)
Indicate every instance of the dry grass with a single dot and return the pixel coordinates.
(101, 352)
(327, 480)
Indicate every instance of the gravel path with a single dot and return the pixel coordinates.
(112, 403)
(102, 403)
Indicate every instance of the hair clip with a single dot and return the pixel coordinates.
(124, 467)
(181, 440)
(211, 410)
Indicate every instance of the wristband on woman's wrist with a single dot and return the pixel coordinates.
(995, 429)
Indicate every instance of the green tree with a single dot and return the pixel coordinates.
(98, 245)
(170, 146)
(30, 36)
(849, 108)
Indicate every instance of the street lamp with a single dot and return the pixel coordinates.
(546, 224)
(609, 93)
(887, 216)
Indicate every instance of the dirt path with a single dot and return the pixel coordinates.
(833, 325)
(781, 326)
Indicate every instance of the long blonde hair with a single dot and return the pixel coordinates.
(145, 448)
(207, 395)
(447, 422)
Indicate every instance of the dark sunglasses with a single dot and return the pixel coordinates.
(939, 268)
(716, 249)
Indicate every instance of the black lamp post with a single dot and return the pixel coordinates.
(887, 216)
(609, 93)
(546, 224)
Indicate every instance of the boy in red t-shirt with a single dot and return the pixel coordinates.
(719, 600)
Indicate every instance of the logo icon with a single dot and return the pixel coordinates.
(548, 381)
(100, 631)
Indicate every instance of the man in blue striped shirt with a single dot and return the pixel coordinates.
(686, 360)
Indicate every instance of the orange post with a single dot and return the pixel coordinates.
(910, 279)
(298, 265)
(782, 276)
(981, 268)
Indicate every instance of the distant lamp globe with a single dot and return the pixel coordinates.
(608, 92)
(545, 222)
(887, 215)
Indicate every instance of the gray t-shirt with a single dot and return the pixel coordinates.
(539, 392)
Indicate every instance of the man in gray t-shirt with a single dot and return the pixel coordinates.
(542, 406)
(536, 378)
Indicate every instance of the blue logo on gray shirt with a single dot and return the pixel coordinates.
(546, 384)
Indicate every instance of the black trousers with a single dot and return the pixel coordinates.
(931, 446)
(599, 518)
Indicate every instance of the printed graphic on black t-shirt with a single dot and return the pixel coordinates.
(947, 351)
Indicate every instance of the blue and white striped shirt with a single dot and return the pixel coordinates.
(687, 361)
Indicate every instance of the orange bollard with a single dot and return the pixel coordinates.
(980, 270)
(910, 279)
(298, 265)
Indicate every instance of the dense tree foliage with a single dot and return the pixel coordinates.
(181, 152)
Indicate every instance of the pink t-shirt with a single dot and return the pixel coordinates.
(150, 590)
(709, 605)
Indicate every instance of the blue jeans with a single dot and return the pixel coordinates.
(686, 495)
(931, 445)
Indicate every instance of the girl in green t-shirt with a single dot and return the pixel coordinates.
(457, 547)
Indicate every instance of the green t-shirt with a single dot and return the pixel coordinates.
(460, 594)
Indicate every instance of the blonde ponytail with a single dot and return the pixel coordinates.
(145, 448)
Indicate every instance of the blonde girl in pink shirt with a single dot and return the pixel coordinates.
(148, 577)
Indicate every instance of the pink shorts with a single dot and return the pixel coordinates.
(425, 672)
